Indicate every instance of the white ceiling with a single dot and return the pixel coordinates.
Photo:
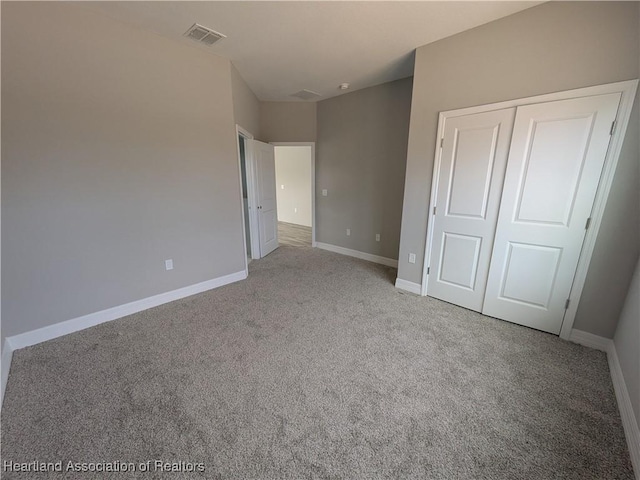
(283, 47)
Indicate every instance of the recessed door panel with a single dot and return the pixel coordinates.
(529, 274)
(552, 169)
(270, 227)
(472, 165)
(460, 255)
(555, 161)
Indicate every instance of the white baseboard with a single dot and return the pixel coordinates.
(590, 340)
(7, 355)
(629, 423)
(389, 262)
(631, 430)
(80, 323)
(408, 286)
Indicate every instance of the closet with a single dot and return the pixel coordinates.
(514, 191)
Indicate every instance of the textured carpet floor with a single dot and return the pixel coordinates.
(316, 367)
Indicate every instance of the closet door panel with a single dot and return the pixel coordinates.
(555, 161)
(470, 176)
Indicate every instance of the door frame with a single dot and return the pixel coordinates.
(627, 89)
(313, 180)
(251, 197)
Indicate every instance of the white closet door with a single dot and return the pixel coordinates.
(265, 163)
(555, 161)
(472, 166)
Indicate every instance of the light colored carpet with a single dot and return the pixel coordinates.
(316, 367)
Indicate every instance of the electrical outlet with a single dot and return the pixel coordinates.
(168, 264)
(281, 187)
(377, 237)
(348, 232)
(324, 192)
(412, 258)
(295, 210)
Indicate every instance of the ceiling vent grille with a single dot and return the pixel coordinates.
(306, 94)
(203, 35)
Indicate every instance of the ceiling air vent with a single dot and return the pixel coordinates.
(203, 34)
(306, 94)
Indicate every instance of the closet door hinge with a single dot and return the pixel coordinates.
(434, 210)
(442, 142)
(613, 127)
(428, 270)
(566, 304)
(586, 226)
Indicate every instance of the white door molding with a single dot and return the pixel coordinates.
(313, 180)
(627, 89)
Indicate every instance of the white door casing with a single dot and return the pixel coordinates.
(469, 186)
(267, 207)
(554, 167)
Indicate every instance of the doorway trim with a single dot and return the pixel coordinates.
(627, 89)
(255, 249)
(313, 180)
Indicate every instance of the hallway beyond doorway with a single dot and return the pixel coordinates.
(294, 235)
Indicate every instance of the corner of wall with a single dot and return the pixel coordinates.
(288, 121)
(623, 397)
(246, 106)
(7, 356)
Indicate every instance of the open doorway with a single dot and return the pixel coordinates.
(256, 164)
(295, 189)
(247, 192)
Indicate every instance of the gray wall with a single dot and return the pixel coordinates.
(627, 340)
(246, 106)
(288, 121)
(118, 152)
(552, 47)
(360, 160)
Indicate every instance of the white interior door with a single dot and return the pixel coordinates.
(555, 161)
(472, 166)
(265, 165)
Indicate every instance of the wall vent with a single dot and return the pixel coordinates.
(203, 35)
(306, 94)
